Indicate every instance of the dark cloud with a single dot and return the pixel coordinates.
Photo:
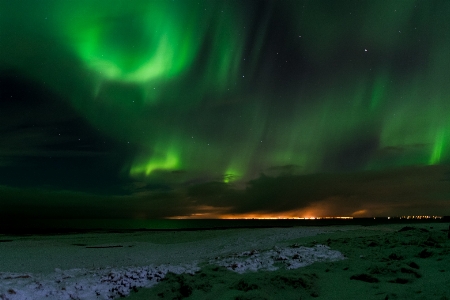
(45, 143)
(367, 193)
(50, 204)
(412, 190)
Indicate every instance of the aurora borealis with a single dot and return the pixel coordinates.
(150, 109)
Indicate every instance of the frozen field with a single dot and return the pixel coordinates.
(341, 262)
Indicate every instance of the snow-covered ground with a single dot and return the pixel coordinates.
(375, 262)
(105, 283)
(110, 283)
(292, 257)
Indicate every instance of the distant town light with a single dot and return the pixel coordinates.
(421, 217)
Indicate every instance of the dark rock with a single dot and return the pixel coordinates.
(394, 256)
(365, 278)
(294, 281)
(314, 294)
(400, 280)
(425, 253)
(185, 290)
(372, 244)
(244, 286)
(382, 269)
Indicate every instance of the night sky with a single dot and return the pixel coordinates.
(151, 109)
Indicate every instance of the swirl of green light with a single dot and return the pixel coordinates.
(156, 40)
(142, 43)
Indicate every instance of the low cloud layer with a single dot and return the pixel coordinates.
(412, 190)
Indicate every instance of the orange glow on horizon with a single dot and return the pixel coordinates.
(256, 216)
(362, 212)
(309, 213)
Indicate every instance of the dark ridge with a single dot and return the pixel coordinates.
(102, 247)
(50, 227)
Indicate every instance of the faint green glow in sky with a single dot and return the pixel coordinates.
(132, 49)
(231, 175)
(167, 160)
(438, 148)
(245, 87)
